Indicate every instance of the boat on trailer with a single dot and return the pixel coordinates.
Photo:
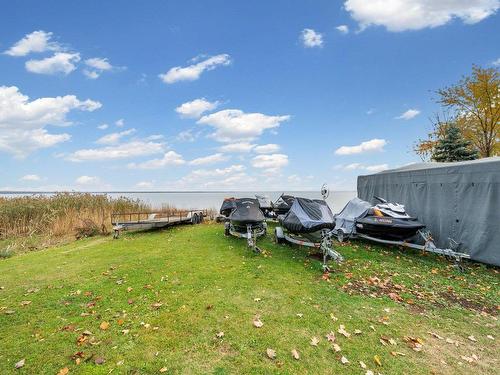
(246, 220)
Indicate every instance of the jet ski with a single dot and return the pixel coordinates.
(283, 204)
(309, 222)
(246, 220)
(385, 220)
(228, 205)
(266, 206)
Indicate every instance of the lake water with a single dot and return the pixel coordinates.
(195, 200)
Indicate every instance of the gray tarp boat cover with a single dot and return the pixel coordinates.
(346, 219)
(307, 216)
(247, 211)
(455, 200)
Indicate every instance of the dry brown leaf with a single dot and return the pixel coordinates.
(344, 360)
(163, 369)
(63, 371)
(257, 322)
(330, 336)
(336, 347)
(129, 289)
(125, 331)
(467, 359)
(358, 332)
(490, 337)
(362, 364)
(377, 360)
(472, 338)
(314, 341)
(436, 335)
(99, 361)
(342, 331)
(271, 353)
(295, 354)
(369, 372)
(25, 303)
(333, 317)
(157, 305)
(220, 334)
(104, 325)
(395, 354)
(20, 363)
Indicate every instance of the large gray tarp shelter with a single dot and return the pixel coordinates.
(455, 200)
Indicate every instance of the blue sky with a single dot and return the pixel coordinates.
(277, 95)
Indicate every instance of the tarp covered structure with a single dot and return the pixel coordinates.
(307, 216)
(346, 219)
(455, 200)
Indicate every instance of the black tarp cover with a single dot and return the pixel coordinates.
(457, 200)
(227, 206)
(307, 216)
(354, 209)
(247, 211)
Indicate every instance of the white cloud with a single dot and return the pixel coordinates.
(228, 176)
(103, 127)
(240, 147)
(496, 62)
(170, 158)
(113, 138)
(210, 159)
(294, 179)
(270, 148)
(235, 125)
(195, 108)
(270, 163)
(367, 146)
(37, 41)
(409, 114)
(30, 177)
(145, 184)
(400, 15)
(119, 123)
(377, 167)
(61, 62)
(344, 29)
(358, 166)
(187, 136)
(87, 180)
(23, 122)
(193, 72)
(311, 38)
(121, 151)
(98, 65)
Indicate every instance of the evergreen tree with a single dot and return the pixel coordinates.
(453, 146)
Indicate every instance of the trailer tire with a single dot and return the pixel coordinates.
(200, 218)
(340, 235)
(226, 230)
(278, 235)
(194, 219)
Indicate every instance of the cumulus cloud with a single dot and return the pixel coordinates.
(270, 148)
(343, 29)
(367, 146)
(97, 65)
(409, 114)
(122, 151)
(231, 176)
(210, 159)
(170, 158)
(239, 147)
(496, 62)
(194, 71)
(113, 138)
(87, 180)
(195, 108)
(31, 177)
(401, 15)
(373, 168)
(103, 127)
(37, 41)
(270, 163)
(144, 184)
(187, 136)
(119, 123)
(23, 122)
(311, 38)
(59, 63)
(233, 125)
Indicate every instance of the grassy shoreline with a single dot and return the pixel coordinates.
(166, 295)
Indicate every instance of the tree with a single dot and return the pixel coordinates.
(474, 104)
(453, 146)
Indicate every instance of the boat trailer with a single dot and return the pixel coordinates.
(428, 246)
(325, 244)
(153, 220)
(250, 235)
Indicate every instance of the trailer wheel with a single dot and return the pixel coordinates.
(194, 219)
(200, 218)
(226, 230)
(340, 235)
(278, 235)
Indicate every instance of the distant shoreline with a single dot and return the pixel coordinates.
(7, 192)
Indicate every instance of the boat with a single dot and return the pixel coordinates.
(246, 220)
(266, 206)
(385, 220)
(283, 204)
(228, 205)
(309, 222)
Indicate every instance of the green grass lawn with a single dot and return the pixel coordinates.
(166, 295)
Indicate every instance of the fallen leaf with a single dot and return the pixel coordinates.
(257, 299)
(336, 347)
(129, 289)
(490, 337)
(472, 338)
(20, 363)
(342, 331)
(377, 360)
(314, 341)
(271, 353)
(330, 336)
(63, 371)
(369, 372)
(344, 360)
(333, 317)
(257, 322)
(467, 359)
(119, 322)
(220, 334)
(295, 354)
(357, 332)
(157, 305)
(125, 331)
(99, 361)
(362, 364)
(398, 353)
(436, 335)
(163, 369)
(104, 325)
(25, 303)
(300, 315)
